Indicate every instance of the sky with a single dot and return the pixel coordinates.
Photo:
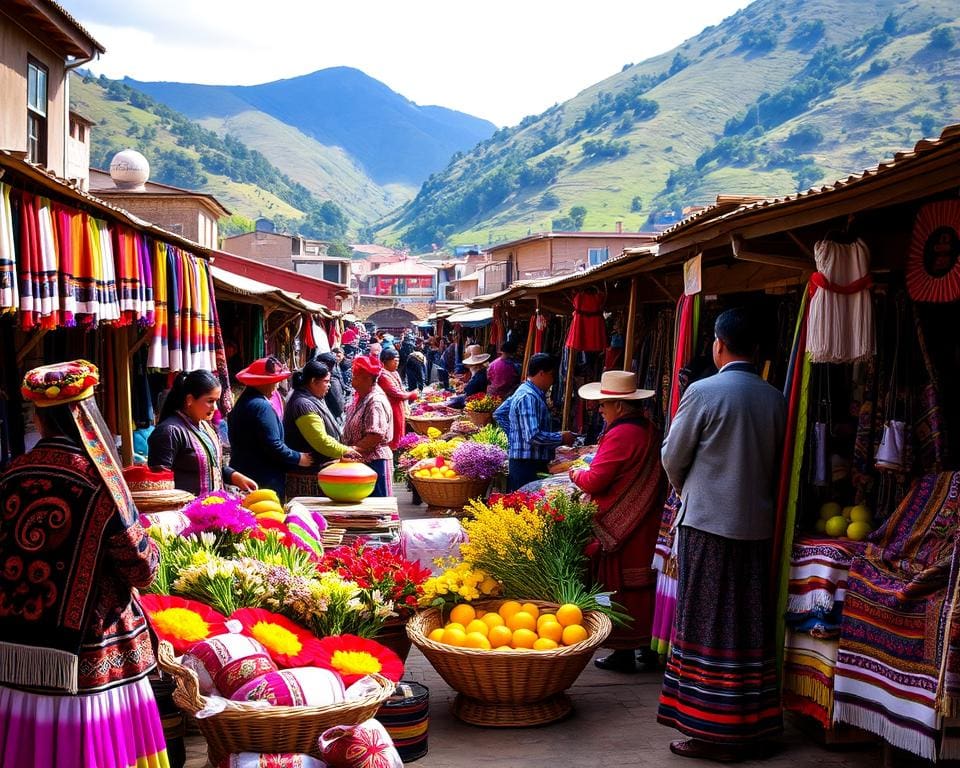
(499, 59)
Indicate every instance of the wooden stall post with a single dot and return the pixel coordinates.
(631, 326)
(568, 388)
(528, 347)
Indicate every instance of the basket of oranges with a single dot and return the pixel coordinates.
(511, 662)
(439, 484)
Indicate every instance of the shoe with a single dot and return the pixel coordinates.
(648, 661)
(618, 661)
(705, 750)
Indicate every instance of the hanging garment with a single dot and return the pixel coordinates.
(840, 326)
(9, 295)
(49, 260)
(144, 251)
(110, 306)
(128, 272)
(587, 330)
(86, 272)
(30, 263)
(159, 356)
(69, 224)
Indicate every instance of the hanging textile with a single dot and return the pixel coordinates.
(175, 307)
(933, 267)
(497, 333)
(840, 328)
(109, 304)
(334, 330)
(159, 356)
(687, 321)
(146, 287)
(220, 353)
(9, 294)
(69, 226)
(49, 275)
(128, 273)
(588, 332)
(30, 263)
(540, 324)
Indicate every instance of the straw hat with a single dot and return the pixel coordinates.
(474, 355)
(615, 385)
(266, 370)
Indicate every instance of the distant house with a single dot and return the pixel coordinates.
(559, 253)
(293, 252)
(402, 281)
(39, 44)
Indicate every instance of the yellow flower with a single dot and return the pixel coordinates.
(433, 433)
(277, 638)
(181, 623)
(355, 662)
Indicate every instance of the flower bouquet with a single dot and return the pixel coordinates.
(480, 407)
(424, 415)
(449, 482)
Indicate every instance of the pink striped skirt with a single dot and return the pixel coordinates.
(118, 728)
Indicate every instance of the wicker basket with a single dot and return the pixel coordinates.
(421, 425)
(246, 728)
(508, 688)
(480, 418)
(449, 492)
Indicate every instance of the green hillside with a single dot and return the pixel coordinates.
(778, 97)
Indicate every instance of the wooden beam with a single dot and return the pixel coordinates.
(742, 254)
(801, 245)
(568, 389)
(662, 288)
(528, 347)
(631, 326)
(124, 394)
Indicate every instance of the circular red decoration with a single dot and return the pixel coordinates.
(933, 268)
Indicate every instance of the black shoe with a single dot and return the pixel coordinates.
(648, 661)
(618, 661)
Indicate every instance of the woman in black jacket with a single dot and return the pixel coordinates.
(336, 397)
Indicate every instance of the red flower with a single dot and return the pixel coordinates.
(352, 657)
(288, 644)
(182, 622)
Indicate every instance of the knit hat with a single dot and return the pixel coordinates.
(367, 364)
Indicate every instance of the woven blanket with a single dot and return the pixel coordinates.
(897, 619)
(808, 668)
(818, 573)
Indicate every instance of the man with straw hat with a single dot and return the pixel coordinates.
(626, 482)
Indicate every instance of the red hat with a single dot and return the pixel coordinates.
(349, 336)
(266, 370)
(60, 383)
(367, 364)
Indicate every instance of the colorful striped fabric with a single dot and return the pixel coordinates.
(159, 354)
(30, 265)
(808, 671)
(48, 282)
(9, 293)
(818, 572)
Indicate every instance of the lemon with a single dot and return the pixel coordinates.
(545, 644)
(449, 473)
(524, 638)
(522, 620)
(568, 614)
(860, 514)
(456, 625)
(836, 526)
(820, 526)
(477, 640)
(437, 635)
(830, 509)
(500, 636)
(492, 620)
(550, 630)
(507, 609)
(858, 530)
(463, 613)
(574, 633)
(478, 625)
(846, 512)
(545, 617)
(454, 636)
(532, 610)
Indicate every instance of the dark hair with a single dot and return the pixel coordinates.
(327, 359)
(310, 372)
(335, 350)
(57, 419)
(736, 329)
(195, 383)
(541, 363)
(388, 354)
(509, 347)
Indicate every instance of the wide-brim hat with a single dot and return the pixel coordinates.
(266, 370)
(476, 359)
(60, 383)
(615, 385)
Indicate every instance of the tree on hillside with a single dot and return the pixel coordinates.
(572, 222)
(941, 39)
(339, 249)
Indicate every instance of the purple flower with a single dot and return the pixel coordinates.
(217, 512)
(409, 440)
(478, 461)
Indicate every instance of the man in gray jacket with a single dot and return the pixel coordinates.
(722, 455)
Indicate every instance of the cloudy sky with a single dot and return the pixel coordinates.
(498, 59)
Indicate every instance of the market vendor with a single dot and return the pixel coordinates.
(369, 426)
(503, 374)
(256, 432)
(185, 441)
(627, 483)
(310, 427)
(476, 364)
(392, 386)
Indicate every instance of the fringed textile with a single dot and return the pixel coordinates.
(30, 264)
(808, 672)
(9, 291)
(107, 286)
(69, 225)
(159, 356)
(819, 569)
(49, 276)
(665, 564)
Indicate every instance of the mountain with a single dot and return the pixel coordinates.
(777, 97)
(392, 139)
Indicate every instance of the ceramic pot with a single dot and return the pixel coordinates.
(347, 480)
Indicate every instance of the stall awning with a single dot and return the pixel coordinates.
(310, 288)
(231, 286)
(472, 318)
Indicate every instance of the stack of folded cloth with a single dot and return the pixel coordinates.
(154, 495)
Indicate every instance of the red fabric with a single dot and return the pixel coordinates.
(588, 333)
(392, 386)
(540, 325)
(349, 336)
(819, 280)
(684, 349)
(308, 341)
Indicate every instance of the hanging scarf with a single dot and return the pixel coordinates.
(49, 259)
(31, 263)
(159, 356)
(146, 288)
(688, 315)
(69, 225)
(175, 308)
(9, 295)
(128, 273)
(110, 304)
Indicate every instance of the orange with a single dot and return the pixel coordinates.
(574, 634)
(477, 640)
(492, 619)
(463, 614)
(545, 617)
(522, 620)
(550, 630)
(508, 609)
(545, 644)
(478, 625)
(500, 636)
(568, 614)
(524, 638)
(454, 637)
(436, 635)
(531, 609)
(456, 625)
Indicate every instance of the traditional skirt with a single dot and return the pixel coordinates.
(117, 728)
(721, 679)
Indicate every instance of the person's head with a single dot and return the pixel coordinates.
(337, 353)
(616, 394)
(390, 359)
(314, 378)
(264, 374)
(375, 349)
(508, 348)
(366, 371)
(611, 410)
(735, 337)
(328, 359)
(542, 371)
(57, 421)
(194, 394)
(380, 335)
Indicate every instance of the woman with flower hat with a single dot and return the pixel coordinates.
(76, 649)
(256, 432)
(476, 383)
(369, 427)
(626, 482)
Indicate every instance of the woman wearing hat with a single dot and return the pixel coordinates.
(392, 387)
(369, 427)
(256, 432)
(476, 364)
(627, 483)
(76, 647)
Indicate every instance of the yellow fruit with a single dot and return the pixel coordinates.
(860, 514)
(436, 635)
(478, 625)
(830, 509)
(836, 526)
(277, 517)
(261, 494)
(524, 638)
(545, 644)
(269, 505)
(477, 640)
(463, 613)
(509, 608)
(551, 630)
(521, 620)
(435, 472)
(499, 636)
(568, 614)
(846, 512)
(422, 473)
(858, 530)
(492, 620)
(545, 617)
(574, 633)
(453, 636)
(449, 473)
(456, 625)
(532, 610)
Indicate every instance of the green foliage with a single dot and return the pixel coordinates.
(177, 168)
(878, 67)
(600, 149)
(758, 40)
(807, 175)
(573, 222)
(549, 201)
(808, 32)
(235, 224)
(942, 39)
(636, 205)
(543, 173)
(730, 150)
(339, 249)
(804, 137)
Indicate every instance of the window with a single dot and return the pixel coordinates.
(597, 255)
(36, 112)
(331, 272)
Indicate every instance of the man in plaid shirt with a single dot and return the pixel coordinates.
(525, 418)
